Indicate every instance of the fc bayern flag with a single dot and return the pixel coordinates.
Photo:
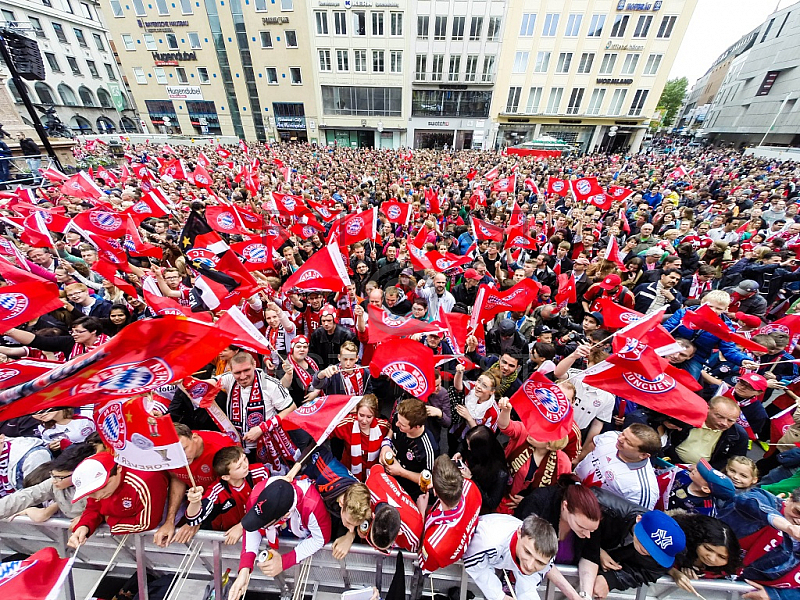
(517, 239)
(226, 220)
(13, 274)
(612, 253)
(418, 257)
(383, 325)
(38, 577)
(780, 423)
(257, 255)
(246, 335)
(706, 319)
(619, 193)
(288, 204)
(396, 212)
(325, 271)
(407, 363)
(140, 440)
(53, 175)
(490, 302)
(151, 204)
(586, 187)
(557, 186)
(142, 357)
(19, 371)
(543, 408)
(504, 185)
(357, 227)
(432, 204)
(81, 185)
(201, 177)
(616, 316)
(22, 302)
(790, 325)
(320, 416)
(134, 244)
(327, 213)
(487, 231)
(443, 262)
(102, 222)
(602, 201)
(567, 293)
(163, 305)
(108, 271)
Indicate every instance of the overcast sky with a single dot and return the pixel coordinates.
(715, 25)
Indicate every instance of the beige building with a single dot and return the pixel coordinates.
(218, 67)
(580, 70)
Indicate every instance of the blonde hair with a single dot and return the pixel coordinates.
(558, 444)
(743, 460)
(369, 401)
(718, 296)
(348, 346)
(355, 501)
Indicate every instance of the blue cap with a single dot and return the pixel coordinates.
(721, 486)
(661, 536)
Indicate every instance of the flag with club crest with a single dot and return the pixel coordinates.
(567, 293)
(432, 204)
(19, 371)
(225, 219)
(619, 193)
(706, 319)
(383, 325)
(320, 417)
(490, 302)
(443, 262)
(407, 363)
(418, 257)
(21, 302)
(246, 335)
(102, 222)
(557, 186)
(585, 187)
(81, 185)
(38, 577)
(543, 408)
(396, 212)
(486, 231)
(324, 271)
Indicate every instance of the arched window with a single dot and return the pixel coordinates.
(80, 125)
(67, 95)
(128, 126)
(105, 125)
(14, 91)
(45, 93)
(87, 98)
(105, 98)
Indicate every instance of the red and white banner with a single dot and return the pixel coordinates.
(407, 363)
(490, 302)
(324, 271)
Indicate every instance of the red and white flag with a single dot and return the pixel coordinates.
(225, 219)
(432, 204)
(320, 417)
(530, 184)
(407, 363)
(443, 262)
(224, 153)
(201, 177)
(81, 185)
(323, 272)
(492, 174)
(506, 184)
(108, 271)
(396, 212)
(287, 204)
(490, 302)
(567, 293)
(19, 371)
(418, 257)
(486, 231)
(326, 213)
(102, 222)
(174, 169)
(383, 325)
(619, 193)
(21, 302)
(38, 577)
(543, 408)
(53, 175)
(586, 187)
(678, 173)
(202, 159)
(134, 244)
(517, 239)
(612, 253)
(357, 227)
(243, 147)
(560, 187)
(257, 255)
(246, 335)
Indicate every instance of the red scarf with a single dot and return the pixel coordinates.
(79, 349)
(364, 450)
(698, 287)
(5, 484)
(353, 381)
(304, 376)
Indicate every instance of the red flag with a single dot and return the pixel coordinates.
(471, 174)
(257, 255)
(504, 185)
(174, 169)
(635, 356)
(134, 244)
(626, 227)
(81, 185)
(706, 319)
(586, 187)
(201, 177)
(246, 335)
(153, 203)
(492, 174)
(517, 239)
(616, 316)
(418, 257)
(490, 302)
(517, 217)
(22, 302)
(556, 186)
(140, 440)
(225, 219)
(19, 371)
(678, 173)
(125, 174)
(305, 231)
(407, 363)
(167, 149)
(53, 175)
(531, 185)
(619, 193)
(790, 325)
(443, 262)
(289, 205)
(35, 233)
(396, 212)
(113, 252)
(602, 201)
(102, 222)
(107, 176)
(486, 231)
(324, 271)
(138, 359)
(567, 293)
(320, 417)
(222, 151)
(243, 147)
(612, 253)
(543, 408)
(203, 160)
(327, 213)
(477, 199)
(14, 274)
(163, 305)
(38, 577)
(108, 271)
(432, 204)
(384, 325)
(357, 227)
(142, 172)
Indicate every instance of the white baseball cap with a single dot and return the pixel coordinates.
(92, 474)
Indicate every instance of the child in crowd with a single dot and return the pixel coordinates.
(743, 472)
(62, 427)
(698, 490)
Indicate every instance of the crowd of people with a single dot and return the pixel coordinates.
(625, 492)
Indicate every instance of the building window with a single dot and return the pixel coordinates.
(596, 101)
(554, 101)
(116, 8)
(438, 67)
(458, 28)
(342, 60)
(520, 62)
(272, 75)
(619, 26)
(475, 28)
(172, 41)
(396, 61)
(110, 71)
(295, 75)
(550, 25)
(161, 76)
(186, 7)
(542, 62)
(362, 101)
(340, 22)
(573, 25)
(396, 23)
(450, 103)
(607, 66)
(180, 73)
(575, 99)
(455, 68)
(766, 31)
(290, 35)
(287, 5)
(73, 65)
(98, 42)
(9, 18)
(45, 93)
(194, 40)
(138, 8)
(377, 61)
(377, 23)
(564, 62)
(630, 64)
(93, 69)
(321, 17)
(162, 7)
(534, 99)
(488, 69)
(59, 31)
(86, 11)
(638, 103)
(653, 62)
(53, 62)
(766, 85)
(440, 28)
(325, 60)
(528, 24)
(643, 26)
(587, 60)
(150, 41)
(266, 39)
(202, 75)
(359, 22)
(79, 36)
(68, 6)
(127, 41)
(472, 67)
(422, 27)
(493, 33)
(617, 100)
(596, 25)
(261, 5)
(421, 68)
(667, 24)
(783, 24)
(138, 73)
(513, 99)
(360, 60)
(47, 3)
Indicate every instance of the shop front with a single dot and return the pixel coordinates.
(163, 116)
(203, 116)
(290, 121)
(448, 133)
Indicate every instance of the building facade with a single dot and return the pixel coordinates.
(83, 81)
(760, 92)
(587, 72)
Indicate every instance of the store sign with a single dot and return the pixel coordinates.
(290, 122)
(160, 26)
(613, 46)
(184, 92)
(328, 3)
(274, 20)
(614, 81)
(174, 56)
(625, 5)
(166, 63)
(438, 123)
(368, 3)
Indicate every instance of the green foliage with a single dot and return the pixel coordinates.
(671, 99)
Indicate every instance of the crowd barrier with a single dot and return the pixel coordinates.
(363, 566)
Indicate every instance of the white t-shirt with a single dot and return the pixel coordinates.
(590, 402)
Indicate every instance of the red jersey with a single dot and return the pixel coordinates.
(201, 468)
(449, 532)
(311, 319)
(384, 488)
(137, 504)
(223, 505)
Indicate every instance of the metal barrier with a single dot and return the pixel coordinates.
(363, 566)
(15, 170)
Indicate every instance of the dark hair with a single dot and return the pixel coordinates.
(650, 441)
(72, 456)
(224, 458)
(579, 498)
(671, 272)
(545, 350)
(485, 457)
(385, 525)
(37, 476)
(92, 324)
(701, 529)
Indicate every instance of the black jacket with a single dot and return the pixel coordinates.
(518, 346)
(28, 147)
(646, 293)
(463, 295)
(324, 348)
(732, 442)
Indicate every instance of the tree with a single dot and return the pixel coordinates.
(671, 99)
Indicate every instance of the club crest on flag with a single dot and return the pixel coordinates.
(662, 383)
(10, 570)
(226, 221)
(128, 379)
(518, 241)
(255, 252)
(289, 203)
(407, 376)
(558, 186)
(391, 320)
(393, 212)
(8, 373)
(12, 304)
(310, 274)
(198, 390)
(552, 405)
(632, 350)
(308, 231)
(111, 423)
(443, 264)
(141, 207)
(354, 226)
(627, 317)
(105, 220)
(311, 408)
(202, 256)
(584, 187)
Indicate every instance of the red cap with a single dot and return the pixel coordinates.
(749, 320)
(755, 381)
(610, 282)
(545, 291)
(472, 274)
